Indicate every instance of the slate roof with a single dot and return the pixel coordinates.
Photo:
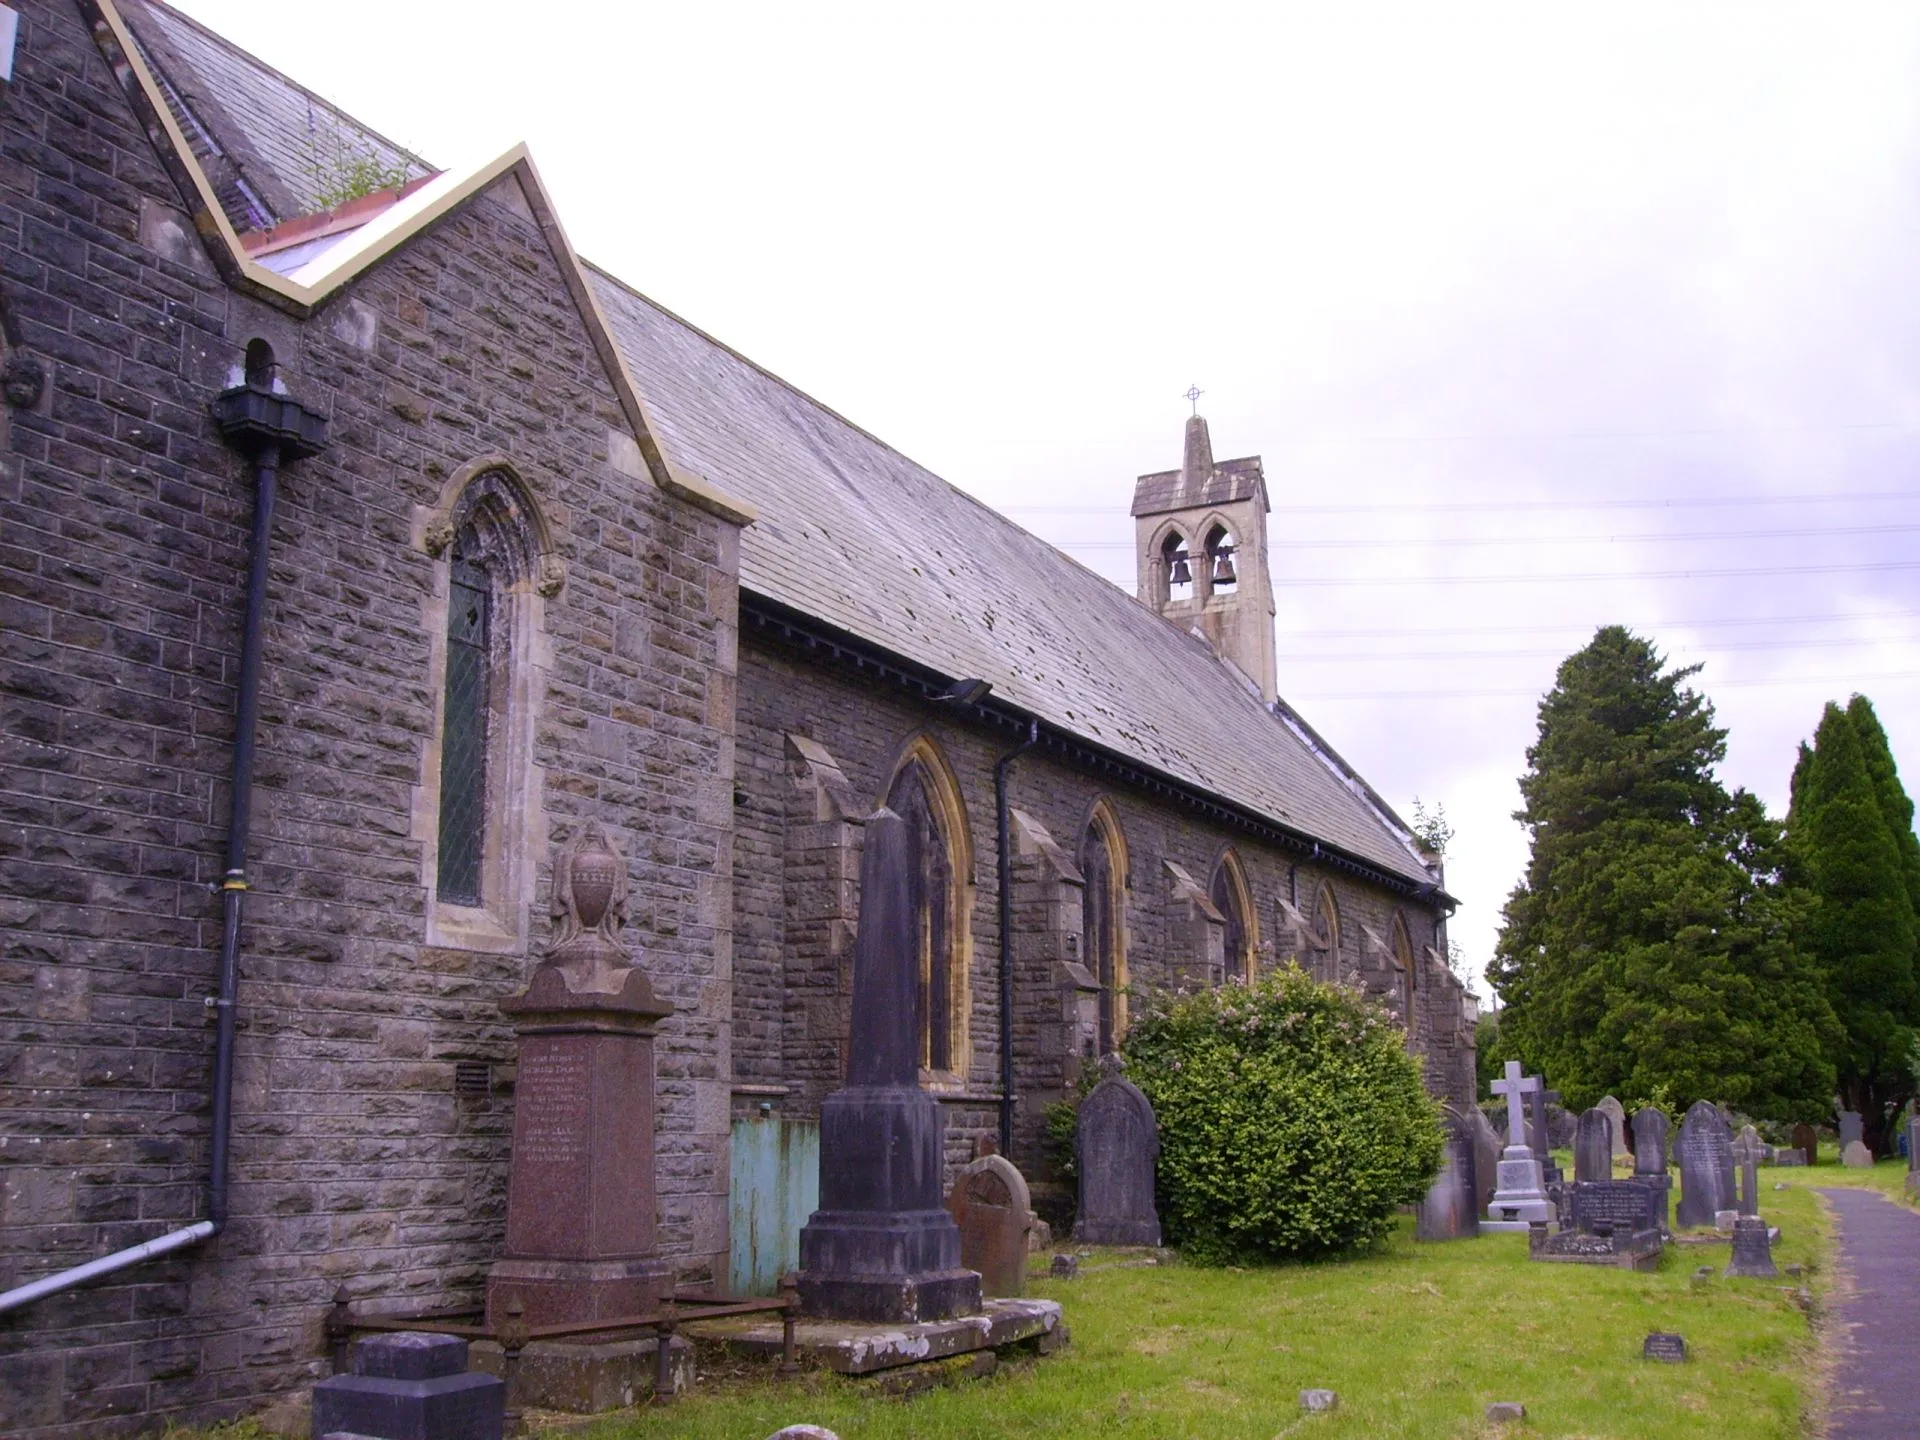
(855, 534)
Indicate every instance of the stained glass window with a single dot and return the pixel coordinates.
(463, 744)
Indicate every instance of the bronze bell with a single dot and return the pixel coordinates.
(1223, 567)
(1182, 573)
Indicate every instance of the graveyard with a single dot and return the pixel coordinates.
(1416, 1339)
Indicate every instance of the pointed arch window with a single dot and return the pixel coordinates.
(1176, 566)
(923, 793)
(1326, 931)
(1103, 861)
(497, 566)
(1221, 576)
(1233, 898)
(1402, 945)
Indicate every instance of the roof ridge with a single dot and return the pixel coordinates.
(280, 75)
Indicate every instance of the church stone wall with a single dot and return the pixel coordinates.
(123, 532)
(784, 968)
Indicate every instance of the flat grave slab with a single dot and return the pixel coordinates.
(852, 1348)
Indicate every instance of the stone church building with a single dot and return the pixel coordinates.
(539, 553)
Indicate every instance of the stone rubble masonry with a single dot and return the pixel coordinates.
(793, 938)
(123, 532)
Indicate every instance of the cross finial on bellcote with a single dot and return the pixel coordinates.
(1194, 392)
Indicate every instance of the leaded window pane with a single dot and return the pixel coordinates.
(463, 741)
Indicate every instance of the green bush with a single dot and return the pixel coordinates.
(1293, 1122)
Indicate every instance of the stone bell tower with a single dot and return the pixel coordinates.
(1200, 535)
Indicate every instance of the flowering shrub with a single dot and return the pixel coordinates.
(1293, 1122)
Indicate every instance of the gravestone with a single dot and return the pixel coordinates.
(1747, 1150)
(1486, 1159)
(1114, 1145)
(991, 1205)
(1807, 1140)
(1451, 1208)
(882, 1248)
(1705, 1153)
(410, 1386)
(1752, 1250)
(1617, 1113)
(1851, 1130)
(1855, 1155)
(1593, 1147)
(1520, 1199)
(1650, 1142)
(1665, 1346)
(1618, 1205)
(1539, 1132)
(580, 1241)
(1913, 1153)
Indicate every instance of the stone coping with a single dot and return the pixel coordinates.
(855, 1349)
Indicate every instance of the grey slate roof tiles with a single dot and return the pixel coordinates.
(857, 535)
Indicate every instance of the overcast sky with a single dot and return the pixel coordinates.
(1619, 302)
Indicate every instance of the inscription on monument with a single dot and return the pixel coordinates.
(552, 1096)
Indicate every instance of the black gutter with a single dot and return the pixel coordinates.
(1006, 932)
(811, 636)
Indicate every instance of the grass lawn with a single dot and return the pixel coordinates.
(1417, 1339)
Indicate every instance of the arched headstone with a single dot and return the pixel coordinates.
(1705, 1153)
(990, 1203)
(1115, 1147)
(1617, 1113)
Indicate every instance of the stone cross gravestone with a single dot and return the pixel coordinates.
(1593, 1147)
(1451, 1208)
(1115, 1145)
(1807, 1140)
(1705, 1153)
(882, 1248)
(1520, 1199)
(1617, 1113)
(1747, 1149)
(1752, 1250)
(991, 1205)
(1650, 1142)
(581, 1243)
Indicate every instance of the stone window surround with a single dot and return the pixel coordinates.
(516, 829)
(1244, 967)
(1103, 827)
(944, 794)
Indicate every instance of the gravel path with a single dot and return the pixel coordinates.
(1876, 1393)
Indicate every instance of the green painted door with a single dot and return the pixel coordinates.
(774, 1187)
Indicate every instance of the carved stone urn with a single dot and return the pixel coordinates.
(581, 1241)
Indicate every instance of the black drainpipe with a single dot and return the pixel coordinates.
(267, 425)
(1006, 933)
(262, 421)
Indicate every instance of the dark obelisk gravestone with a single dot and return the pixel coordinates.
(1705, 1153)
(1747, 1150)
(414, 1385)
(1593, 1147)
(882, 1247)
(1115, 1147)
(1451, 1209)
(1807, 1140)
(581, 1242)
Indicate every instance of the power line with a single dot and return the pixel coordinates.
(1432, 542)
(1724, 648)
(1428, 507)
(1715, 573)
(1729, 622)
(1850, 681)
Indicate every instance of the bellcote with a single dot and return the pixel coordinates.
(1201, 553)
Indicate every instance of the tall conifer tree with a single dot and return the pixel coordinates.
(1853, 847)
(1648, 952)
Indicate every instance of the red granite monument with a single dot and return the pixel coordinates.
(581, 1241)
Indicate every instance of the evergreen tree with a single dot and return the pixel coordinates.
(1847, 825)
(1648, 951)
